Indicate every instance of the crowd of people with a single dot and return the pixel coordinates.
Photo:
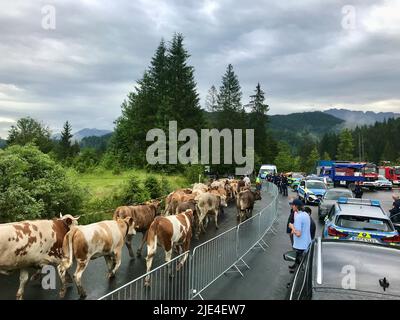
(281, 181)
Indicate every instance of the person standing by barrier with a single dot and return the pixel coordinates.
(301, 231)
(258, 183)
(284, 186)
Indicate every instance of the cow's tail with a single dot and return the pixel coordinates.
(152, 236)
(68, 250)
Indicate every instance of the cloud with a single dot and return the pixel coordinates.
(298, 51)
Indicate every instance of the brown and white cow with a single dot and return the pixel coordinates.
(245, 203)
(174, 199)
(143, 216)
(32, 244)
(88, 242)
(168, 232)
(209, 203)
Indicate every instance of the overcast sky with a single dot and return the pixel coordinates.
(307, 55)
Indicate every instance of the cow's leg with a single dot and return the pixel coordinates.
(37, 275)
(23, 279)
(151, 250)
(110, 263)
(128, 243)
(168, 256)
(81, 266)
(216, 218)
(117, 258)
(139, 251)
(185, 247)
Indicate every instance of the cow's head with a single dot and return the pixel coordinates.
(69, 220)
(257, 195)
(223, 201)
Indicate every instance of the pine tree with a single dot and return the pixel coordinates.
(258, 120)
(183, 99)
(211, 103)
(326, 156)
(284, 159)
(312, 160)
(65, 147)
(230, 110)
(346, 146)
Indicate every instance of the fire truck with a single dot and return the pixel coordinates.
(391, 173)
(346, 174)
(370, 173)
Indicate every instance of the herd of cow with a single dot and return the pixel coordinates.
(36, 243)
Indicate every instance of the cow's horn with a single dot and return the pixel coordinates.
(76, 218)
(60, 215)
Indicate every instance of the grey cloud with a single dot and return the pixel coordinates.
(297, 50)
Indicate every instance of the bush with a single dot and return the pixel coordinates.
(165, 186)
(133, 192)
(33, 186)
(86, 161)
(152, 187)
(192, 173)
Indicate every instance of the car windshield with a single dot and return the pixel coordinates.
(315, 185)
(364, 223)
(335, 195)
(297, 176)
(382, 178)
(397, 171)
(371, 169)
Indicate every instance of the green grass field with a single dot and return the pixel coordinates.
(101, 186)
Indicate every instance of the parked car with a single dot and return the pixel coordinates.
(322, 270)
(327, 180)
(361, 220)
(383, 183)
(311, 191)
(294, 180)
(329, 200)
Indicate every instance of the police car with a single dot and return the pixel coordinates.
(360, 220)
(311, 191)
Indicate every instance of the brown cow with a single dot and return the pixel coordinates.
(143, 216)
(191, 204)
(174, 199)
(85, 243)
(209, 203)
(245, 203)
(32, 244)
(167, 232)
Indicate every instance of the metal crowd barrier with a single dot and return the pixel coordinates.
(206, 263)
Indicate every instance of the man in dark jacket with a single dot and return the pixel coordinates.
(358, 191)
(396, 205)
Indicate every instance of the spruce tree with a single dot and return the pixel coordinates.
(258, 120)
(65, 146)
(183, 100)
(231, 113)
(211, 103)
(346, 146)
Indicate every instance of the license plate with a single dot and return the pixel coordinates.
(364, 237)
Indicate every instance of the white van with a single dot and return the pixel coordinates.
(267, 169)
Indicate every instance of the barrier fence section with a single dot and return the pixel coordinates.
(206, 263)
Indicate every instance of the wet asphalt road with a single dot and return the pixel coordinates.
(266, 279)
(94, 278)
(269, 274)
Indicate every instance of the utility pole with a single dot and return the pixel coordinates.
(359, 147)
